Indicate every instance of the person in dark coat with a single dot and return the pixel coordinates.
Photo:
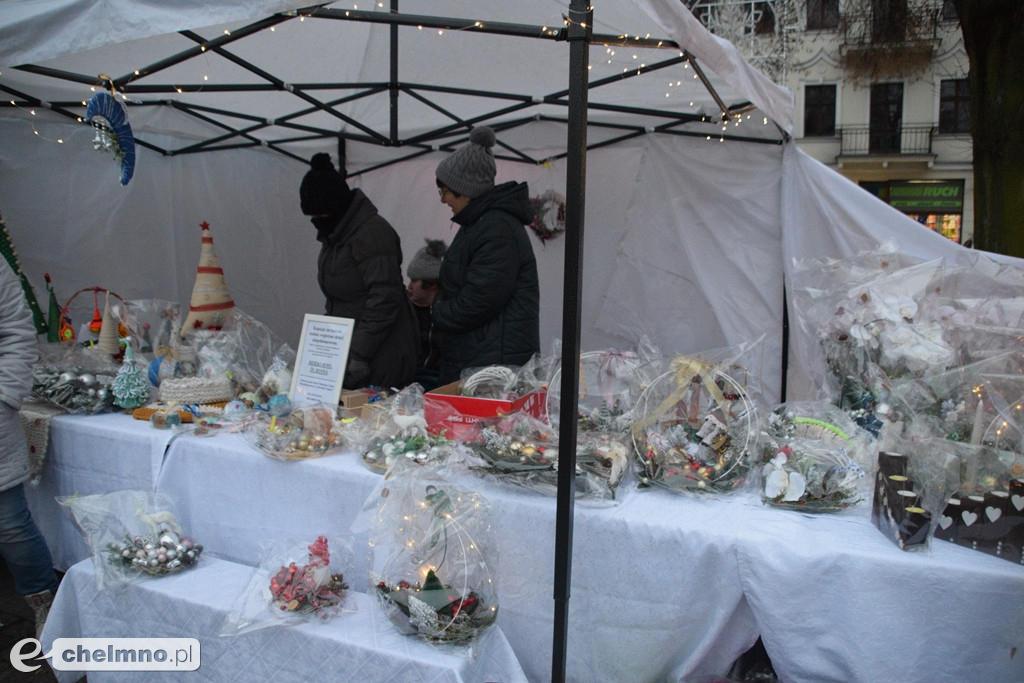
(488, 309)
(359, 270)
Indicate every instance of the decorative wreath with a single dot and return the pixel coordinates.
(113, 132)
(548, 215)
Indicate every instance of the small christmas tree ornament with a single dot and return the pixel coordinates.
(130, 387)
(211, 301)
(58, 324)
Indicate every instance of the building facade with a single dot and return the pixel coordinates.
(880, 93)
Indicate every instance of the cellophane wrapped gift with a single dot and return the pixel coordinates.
(610, 382)
(814, 458)
(132, 535)
(286, 433)
(522, 450)
(150, 324)
(396, 428)
(295, 583)
(883, 327)
(986, 511)
(75, 378)
(695, 427)
(432, 553)
(248, 352)
(912, 479)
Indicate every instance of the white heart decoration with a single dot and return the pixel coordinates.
(993, 514)
(969, 517)
(945, 521)
(1018, 502)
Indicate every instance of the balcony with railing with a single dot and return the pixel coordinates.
(863, 141)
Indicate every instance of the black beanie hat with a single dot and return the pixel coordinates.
(323, 191)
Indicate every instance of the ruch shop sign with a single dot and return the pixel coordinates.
(930, 196)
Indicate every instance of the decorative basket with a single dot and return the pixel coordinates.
(694, 429)
(67, 332)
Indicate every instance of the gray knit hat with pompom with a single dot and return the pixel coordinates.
(426, 264)
(469, 170)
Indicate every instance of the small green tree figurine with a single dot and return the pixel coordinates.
(130, 387)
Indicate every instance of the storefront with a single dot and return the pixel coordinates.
(938, 204)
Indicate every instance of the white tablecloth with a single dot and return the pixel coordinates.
(356, 646)
(664, 586)
(91, 454)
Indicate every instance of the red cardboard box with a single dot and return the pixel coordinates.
(446, 409)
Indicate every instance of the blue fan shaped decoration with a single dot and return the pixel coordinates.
(113, 132)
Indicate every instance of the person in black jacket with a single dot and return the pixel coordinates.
(360, 272)
(488, 309)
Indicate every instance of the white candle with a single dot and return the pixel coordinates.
(976, 430)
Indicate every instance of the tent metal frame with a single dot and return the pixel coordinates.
(577, 32)
(445, 138)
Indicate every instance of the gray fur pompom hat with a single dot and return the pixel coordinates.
(426, 264)
(469, 170)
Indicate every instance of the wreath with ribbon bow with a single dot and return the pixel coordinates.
(548, 215)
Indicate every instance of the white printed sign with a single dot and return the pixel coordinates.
(321, 359)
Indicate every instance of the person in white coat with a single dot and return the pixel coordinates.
(23, 548)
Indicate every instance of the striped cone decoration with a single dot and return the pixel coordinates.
(107, 341)
(211, 301)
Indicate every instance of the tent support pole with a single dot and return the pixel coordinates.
(579, 32)
(393, 78)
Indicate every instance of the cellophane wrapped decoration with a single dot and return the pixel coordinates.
(432, 549)
(132, 535)
(284, 433)
(75, 378)
(295, 583)
(244, 348)
(396, 428)
(508, 382)
(895, 335)
(814, 458)
(522, 450)
(912, 479)
(695, 427)
(491, 381)
(959, 404)
(150, 324)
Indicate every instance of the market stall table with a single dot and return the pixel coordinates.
(835, 600)
(664, 585)
(360, 645)
(640, 577)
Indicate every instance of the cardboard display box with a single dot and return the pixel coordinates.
(445, 409)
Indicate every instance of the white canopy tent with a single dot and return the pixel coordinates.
(697, 199)
(673, 184)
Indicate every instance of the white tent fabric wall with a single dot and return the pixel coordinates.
(687, 240)
(699, 263)
(68, 216)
